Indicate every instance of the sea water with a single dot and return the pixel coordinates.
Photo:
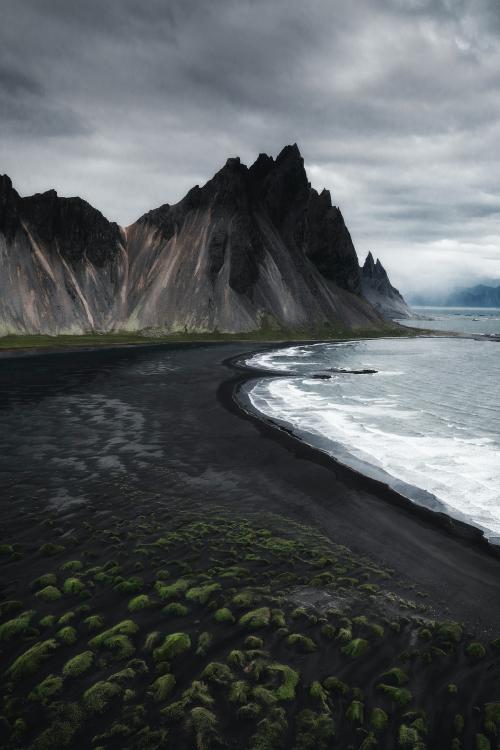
(427, 422)
(483, 321)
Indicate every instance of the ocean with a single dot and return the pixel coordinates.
(427, 422)
(484, 321)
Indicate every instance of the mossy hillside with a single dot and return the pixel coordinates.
(254, 631)
(150, 338)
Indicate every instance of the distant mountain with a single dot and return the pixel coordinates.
(480, 295)
(254, 247)
(378, 290)
(476, 296)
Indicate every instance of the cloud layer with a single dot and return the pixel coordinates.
(395, 105)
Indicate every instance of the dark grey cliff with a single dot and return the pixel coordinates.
(379, 291)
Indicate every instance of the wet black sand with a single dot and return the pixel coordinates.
(119, 431)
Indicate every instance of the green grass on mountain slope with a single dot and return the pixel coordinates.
(150, 338)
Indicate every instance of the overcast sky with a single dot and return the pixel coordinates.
(395, 105)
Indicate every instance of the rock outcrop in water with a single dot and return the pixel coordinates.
(254, 247)
(378, 290)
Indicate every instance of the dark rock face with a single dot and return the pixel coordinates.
(253, 246)
(379, 291)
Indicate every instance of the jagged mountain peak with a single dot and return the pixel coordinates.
(379, 291)
(253, 246)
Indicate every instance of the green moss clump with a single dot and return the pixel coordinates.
(239, 692)
(47, 621)
(198, 692)
(173, 645)
(256, 618)
(49, 594)
(452, 689)
(47, 689)
(237, 658)
(31, 660)
(290, 679)
(175, 609)
(264, 695)
(162, 687)
(476, 651)
(139, 602)
(492, 717)
(224, 615)
(328, 631)
(174, 712)
(126, 627)
(355, 648)
(202, 594)
(334, 685)
(130, 586)
(66, 618)
(320, 695)
(202, 724)
(94, 622)
(51, 549)
(72, 565)
(271, 731)
(73, 586)
(78, 664)
(98, 697)
(253, 642)
(117, 639)
(204, 642)
(407, 736)
(344, 635)
(399, 695)
(450, 631)
(67, 720)
(243, 599)
(379, 719)
(301, 643)
(482, 742)
(6, 550)
(395, 676)
(218, 673)
(278, 618)
(124, 675)
(249, 712)
(172, 590)
(314, 731)
(48, 579)
(20, 625)
(355, 712)
(377, 629)
(68, 635)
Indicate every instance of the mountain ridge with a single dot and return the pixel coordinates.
(379, 291)
(254, 246)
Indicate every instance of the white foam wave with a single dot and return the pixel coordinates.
(440, 446)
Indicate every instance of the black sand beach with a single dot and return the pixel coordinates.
(206, 449)
(102, 438)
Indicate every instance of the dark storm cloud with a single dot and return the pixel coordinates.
(394, 103)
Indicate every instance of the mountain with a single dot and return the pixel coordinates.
(378, 290)
(475, 296)
(254, 247)
(480, 295)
